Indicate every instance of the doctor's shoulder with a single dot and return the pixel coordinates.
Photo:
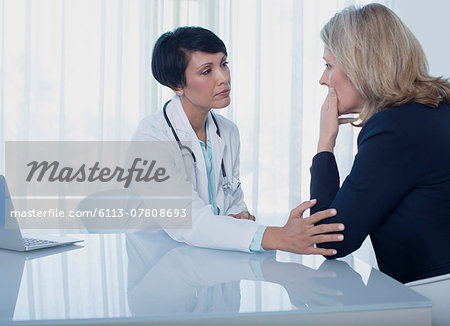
(228, 128)
(151, 128)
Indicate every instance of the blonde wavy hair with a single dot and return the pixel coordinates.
(383, 59)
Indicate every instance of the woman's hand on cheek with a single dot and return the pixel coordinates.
(329, 123)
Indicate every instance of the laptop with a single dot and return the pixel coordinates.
(11, 237)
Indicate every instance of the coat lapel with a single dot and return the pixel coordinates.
(218, 146)
(185, 132)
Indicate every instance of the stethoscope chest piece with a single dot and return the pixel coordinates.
(226, 186)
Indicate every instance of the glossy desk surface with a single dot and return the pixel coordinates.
(147, 278)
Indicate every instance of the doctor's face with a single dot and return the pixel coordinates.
(349, 99)
(208, 83)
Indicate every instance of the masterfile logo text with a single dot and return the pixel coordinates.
(105, 185)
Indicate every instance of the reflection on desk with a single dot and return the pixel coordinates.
(146, 277)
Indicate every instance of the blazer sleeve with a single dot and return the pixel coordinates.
(382, 174)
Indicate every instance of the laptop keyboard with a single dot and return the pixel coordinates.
(30, 242)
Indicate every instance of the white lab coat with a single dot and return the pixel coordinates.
(208, 230)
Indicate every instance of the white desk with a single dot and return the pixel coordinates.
(147, 278)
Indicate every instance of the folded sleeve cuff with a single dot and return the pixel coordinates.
(256, 245)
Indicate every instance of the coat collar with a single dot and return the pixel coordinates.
(180, 122)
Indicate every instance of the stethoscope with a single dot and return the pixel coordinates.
(226, 185)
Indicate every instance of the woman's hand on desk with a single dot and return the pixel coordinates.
(245, 215)
(299, 235)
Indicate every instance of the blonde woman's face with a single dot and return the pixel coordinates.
(349, 99)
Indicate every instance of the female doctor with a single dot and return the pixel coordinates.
(192, 61)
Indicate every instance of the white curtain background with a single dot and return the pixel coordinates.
(80, 70)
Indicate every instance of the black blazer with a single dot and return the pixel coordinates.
(398, 191)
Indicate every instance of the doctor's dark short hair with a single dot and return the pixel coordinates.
(171, 53)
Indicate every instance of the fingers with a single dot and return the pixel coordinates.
(247, 216)
(322, 238)
(330, 103)
(329, 123)
(332, 97)
(347, 120)
(327, 228)
(319, 216)
(300, 209)
(321, 251)
(243, 216)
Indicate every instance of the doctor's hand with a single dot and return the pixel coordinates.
(300, 235)
(245, 215)
(329, 122)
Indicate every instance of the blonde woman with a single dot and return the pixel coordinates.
(398, 190)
